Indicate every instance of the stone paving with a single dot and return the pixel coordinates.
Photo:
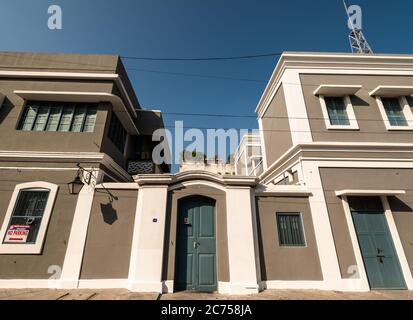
(123, 294)
(296, 295)
(78, 294)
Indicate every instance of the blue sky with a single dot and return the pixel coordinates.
(201, 28)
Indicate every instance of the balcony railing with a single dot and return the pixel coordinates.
(140, 167)
(257, 170)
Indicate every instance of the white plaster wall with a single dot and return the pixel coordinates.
(145, 271)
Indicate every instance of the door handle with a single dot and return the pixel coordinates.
(380, 255)
(196, 244)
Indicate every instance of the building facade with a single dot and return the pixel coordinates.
(322, 199)
(248, 156)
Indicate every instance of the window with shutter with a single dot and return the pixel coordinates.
(117, 134)
(58, 116)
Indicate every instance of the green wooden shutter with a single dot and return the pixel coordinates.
(78, 118)
(90, 119)
(54, 118)
(29, 117)
(41, 119)
(66, 120)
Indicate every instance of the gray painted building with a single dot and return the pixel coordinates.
(322, 198)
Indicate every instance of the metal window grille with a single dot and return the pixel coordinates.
(290, 229)
(29, 210)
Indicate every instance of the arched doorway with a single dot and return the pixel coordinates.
(195, 267)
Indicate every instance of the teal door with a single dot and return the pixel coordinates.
(196, 248)
(377, 248)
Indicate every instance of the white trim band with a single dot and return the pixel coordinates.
(337, 90)
(392, 91)
(369, 193)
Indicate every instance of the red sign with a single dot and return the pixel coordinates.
(17, 233)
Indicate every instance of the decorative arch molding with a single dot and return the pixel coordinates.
(199, 214)
(192, 176)
(202, 189)
(198, 175)
(186, 184)
(197, 196)
(212, 179)
(32, 248)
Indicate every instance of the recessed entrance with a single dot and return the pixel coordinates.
(195, 267)
(376, 245)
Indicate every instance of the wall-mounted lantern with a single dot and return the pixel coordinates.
(77, 184)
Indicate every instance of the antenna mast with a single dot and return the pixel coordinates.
(358, 41)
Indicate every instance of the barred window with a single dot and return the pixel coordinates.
(27, 216)
(58, 116)
(290, 229)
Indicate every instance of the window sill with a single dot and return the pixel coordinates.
(20, 248)
(294, 247)
(347, 128)
(54, 132)
(399, 128)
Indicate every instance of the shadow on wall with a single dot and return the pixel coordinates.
(167, 236)
(357, 101)
(110, 215)
(5, 109)
(260, 244)
(398, 205)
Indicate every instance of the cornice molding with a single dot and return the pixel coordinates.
(78, 96)
(153, 179)
(74, 75)
(334, 62)
(42, 156)
(195, 175)
(284, 191)
(355, 147)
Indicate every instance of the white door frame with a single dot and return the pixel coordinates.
(362, 274)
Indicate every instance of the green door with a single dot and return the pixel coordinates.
(377, 248)
(195, 252)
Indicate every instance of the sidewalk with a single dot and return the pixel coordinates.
(123, 294)
(297, 295)
(78, 294)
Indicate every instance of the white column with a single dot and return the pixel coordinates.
(145, 270)
(404, 264)
(296, 110)
(77, 239)
(263, 148)
(322, 228)
(243, 267)
(358, 280)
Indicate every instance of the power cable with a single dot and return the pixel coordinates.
(255, 56)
